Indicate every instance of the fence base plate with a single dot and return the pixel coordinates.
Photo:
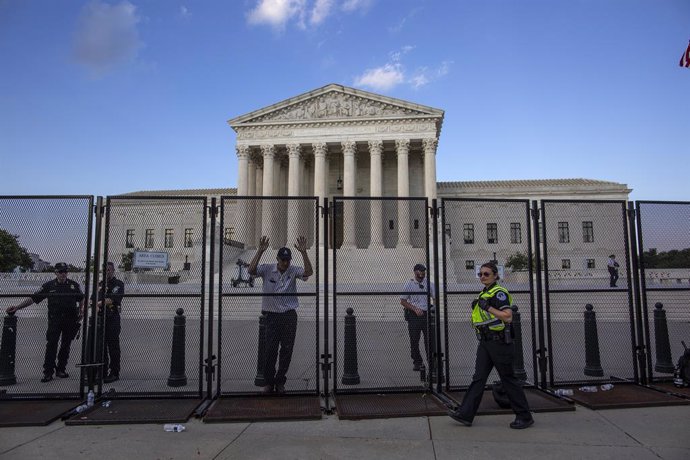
(264, 408)
(125, 411)
(33, 413)
(387, 405)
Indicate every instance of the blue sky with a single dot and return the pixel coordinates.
(108, 97)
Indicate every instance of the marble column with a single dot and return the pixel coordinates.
(251, 204)
(430, 167)
(320, 178)
(259, 178)
(349, 170)
(375, 187)
(267, 224)
(239, 223)
(294, 216)
(402, 149)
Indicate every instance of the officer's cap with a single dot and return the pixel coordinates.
(61, 267)
(419, 268)
(284, 254)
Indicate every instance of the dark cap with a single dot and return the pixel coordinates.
(419, 267)
(60, 267)
(284, 254)
(612, 255)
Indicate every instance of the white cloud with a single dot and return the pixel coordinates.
(381, 78)
(322, 8)
(106, 35)
(423, 76)
(183, 10)
(276, 12)
(353, 5)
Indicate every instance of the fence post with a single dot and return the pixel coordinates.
(8, 347)
(664, 361)
(177, 365)
(592, 357)
(260, 380)
(518, 359)
(350, 373)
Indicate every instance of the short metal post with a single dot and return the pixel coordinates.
(8, 347)
(350, 373)
(260, 380)
(518, 359)
(177, 360)
(664, 361)
(592, 357)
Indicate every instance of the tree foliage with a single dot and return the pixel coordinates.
(13, 255)
(127, 261)
(670, 259)
(518, 261)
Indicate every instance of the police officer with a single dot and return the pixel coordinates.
(491, 317)
(64, 318)
(417, 310)
(109, 302)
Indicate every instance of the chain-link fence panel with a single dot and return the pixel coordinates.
(268, 334)
(663, 230)
(586, 260)
(475, 232)
(150, 338)
(377, 346)
(45, 261)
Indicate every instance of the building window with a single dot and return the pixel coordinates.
(416, 224)
(391, 225)
(565, 264)
(469, 265)
(148, 241)
(129, 239)
(587, 232)
(492, 233)
(468, 233)
(188, 235)
(169, 236)
(515, 233)
(227, 234)
(590, 263)
(563, 232)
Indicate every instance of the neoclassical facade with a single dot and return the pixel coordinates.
(338, 141)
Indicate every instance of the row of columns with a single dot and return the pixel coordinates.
(254, 177)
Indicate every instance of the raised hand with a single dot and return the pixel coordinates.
(301, 245)
(263, 243)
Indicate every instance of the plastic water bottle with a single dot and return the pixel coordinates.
(174, 427)
(589, 389)
(564, 392)
(607, 387)
(90, 398)
(80, 409)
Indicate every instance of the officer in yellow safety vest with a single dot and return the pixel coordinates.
(491, 317)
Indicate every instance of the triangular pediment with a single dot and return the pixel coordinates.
(335, 102)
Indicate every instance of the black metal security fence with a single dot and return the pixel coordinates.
(663, 230)
(590, 317)
(154, 341)
(46, 337)
(375, 245)
(474, 232)
(248, 319)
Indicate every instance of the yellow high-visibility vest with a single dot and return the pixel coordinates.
(482, 318)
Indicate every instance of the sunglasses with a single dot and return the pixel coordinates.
(482, 274)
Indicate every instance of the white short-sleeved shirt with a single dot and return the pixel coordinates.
(280, 283)
(417, 293)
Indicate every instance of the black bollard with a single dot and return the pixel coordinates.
(177, 376)
(518, 359)
(260, 380)
(664, 362)
(592, 358)
(350, 373)
(8, 348)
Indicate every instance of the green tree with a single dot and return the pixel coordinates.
(669, 259)
(13, 255)
(127, 260)
(518, 261)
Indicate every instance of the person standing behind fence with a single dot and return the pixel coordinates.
(491, 317)
(417, 311)
(64, 318)
(109, 303)
(280, 311)
(613, 270)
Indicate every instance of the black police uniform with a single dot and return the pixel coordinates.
(494, 351)
(115, 290)
(63, 321)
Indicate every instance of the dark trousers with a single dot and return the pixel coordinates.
(62, 329)
(416, 326)
(281, 329)
(490, 354)
(613, 275)
(111, 351)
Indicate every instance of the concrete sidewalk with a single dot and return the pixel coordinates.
(648, 433)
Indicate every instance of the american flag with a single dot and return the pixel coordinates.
(685, 59)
